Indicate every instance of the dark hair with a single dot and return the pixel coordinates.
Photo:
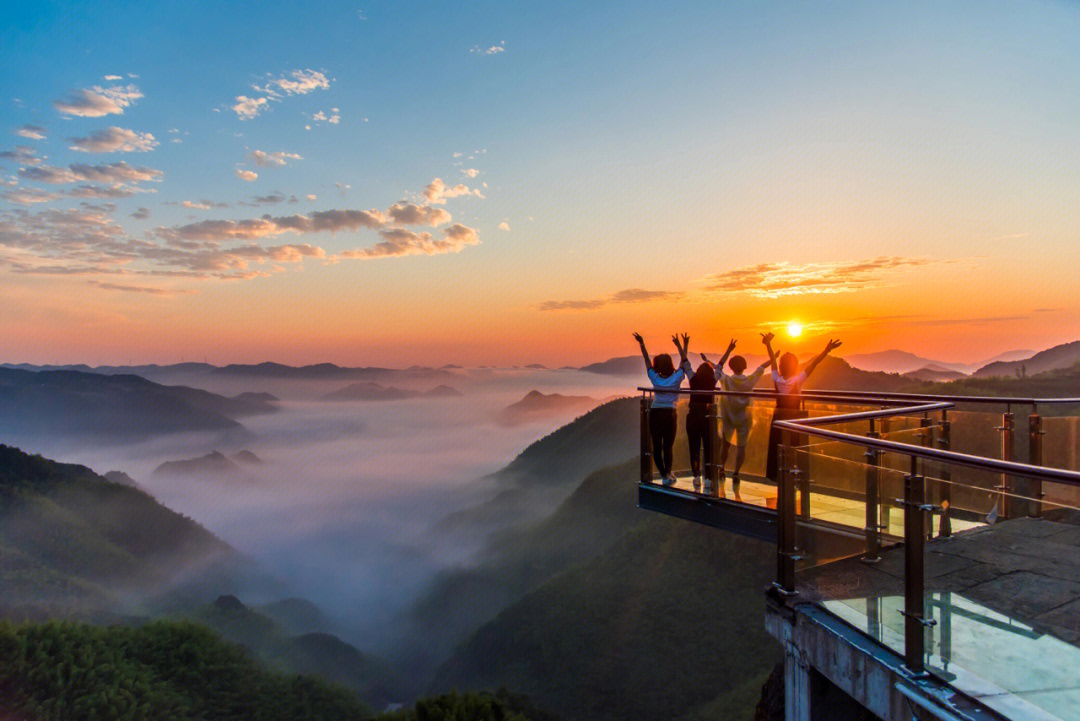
(662, 364)
(703, 380)
(789, 365)
(737, 364)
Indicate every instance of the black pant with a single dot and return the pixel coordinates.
(697, 435)
(662, 425)
(776, 438)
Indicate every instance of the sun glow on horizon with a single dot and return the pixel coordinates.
(794, 329)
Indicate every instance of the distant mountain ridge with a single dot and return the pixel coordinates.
(114, 408)
(1056, 358)
(536, 406)
(370, 391)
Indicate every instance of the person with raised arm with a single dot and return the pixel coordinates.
(735, 421)
(703, 383)
(788, 381)
(663, 423)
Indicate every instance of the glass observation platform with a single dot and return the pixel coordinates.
(929, 525)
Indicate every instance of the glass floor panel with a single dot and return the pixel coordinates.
(1007, 665)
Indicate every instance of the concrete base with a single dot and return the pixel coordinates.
(834, 672)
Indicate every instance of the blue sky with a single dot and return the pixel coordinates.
(630, 146)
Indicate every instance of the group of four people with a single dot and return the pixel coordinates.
(735, 419)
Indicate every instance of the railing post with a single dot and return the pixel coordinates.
(945, 499)
(873, 526)
(926, 433)
(785, 529)
(646, 442)
(914, 600)
(712, 448)
(1007, 428)
(1035, 458)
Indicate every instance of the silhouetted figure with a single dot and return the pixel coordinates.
(697, 425)
(788, 381)
(735, 420)
(662, 420)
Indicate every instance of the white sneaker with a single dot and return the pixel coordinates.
(669, 479)
(697, 483)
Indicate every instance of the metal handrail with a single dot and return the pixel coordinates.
(875, 396)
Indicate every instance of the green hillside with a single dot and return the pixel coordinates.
(163, 670)
(665, 620)
(313, 653)
(73, 542)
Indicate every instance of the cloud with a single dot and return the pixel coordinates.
(119, 172)
(114, 77)
(321, 117)
(114, 140)
(22, 154)
(30, 196)
(630, 295)
(98, 101)
(471, 172)
(279, 158)
(398, 242)
(773, 280)
(298, 82)
(437, 191)
(141, 214)
(492, 50)
(33, 132)
(139, 288)
(202, 204)
(504, 226)
(312, 196)
(247, 108)
(248, 175)
(411, 214)
(116, 190)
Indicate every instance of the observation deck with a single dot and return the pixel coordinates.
(927, 558)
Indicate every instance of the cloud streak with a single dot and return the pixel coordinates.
(629, 295)
(437, 191)
(774, 280)
(98, 101)
(114, 140)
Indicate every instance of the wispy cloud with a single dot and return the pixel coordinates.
(119, 172)
(399, 242)
(773, 280)
(248, 175)
(33, 132)
(30, 196)
(437, 191)
(22, 154)
(298, 82)
(280, 158)
(247, 108)
(490, 50)
(114, 140)
(149, 290)
(629, 295)
(98, 101)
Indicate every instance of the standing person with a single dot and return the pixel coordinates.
(788, 380)
(697, 426)
(662, 420)
(735, 421)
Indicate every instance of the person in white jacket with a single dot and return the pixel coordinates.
(662, 420)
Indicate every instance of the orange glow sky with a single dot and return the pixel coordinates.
(900, 177)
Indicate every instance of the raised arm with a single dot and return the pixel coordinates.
(829, 348)
(767, 339)
(727, 353)
(644, 353)
(683, 348)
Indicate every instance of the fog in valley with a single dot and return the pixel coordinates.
(345, 507)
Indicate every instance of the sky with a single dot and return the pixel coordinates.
(398, 183)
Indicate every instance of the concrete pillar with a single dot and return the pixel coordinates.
(796, 686)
